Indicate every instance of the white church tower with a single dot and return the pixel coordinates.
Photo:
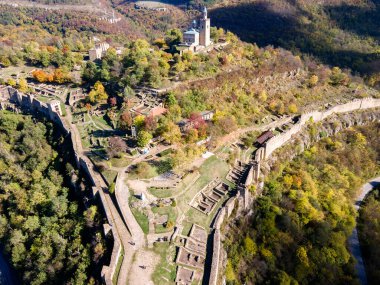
(204, 30)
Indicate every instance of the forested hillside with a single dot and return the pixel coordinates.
(343, 33)
(299, 228)
(42, 230)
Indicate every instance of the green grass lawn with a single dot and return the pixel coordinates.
(109, 175)
(83, 131)
(101, 122)
(142, 220)
(120, 162)
(166, 267)
(162, 192)
(7, 72)
(186, 228)
(212, 168)
(170, 212)
(63, 109)
(43, 99)
(118, 266)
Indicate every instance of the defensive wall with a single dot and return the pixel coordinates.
(264, 153)
(223, 213)
(28, 102)
(316, 116)
(326, 128)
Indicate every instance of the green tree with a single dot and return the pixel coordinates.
(250, 246)
(143, 138)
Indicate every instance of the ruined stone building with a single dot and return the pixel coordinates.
(99, 51)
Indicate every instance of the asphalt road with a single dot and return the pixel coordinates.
(354, 239)
(6, 276)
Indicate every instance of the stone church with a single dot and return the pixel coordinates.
(197, 38)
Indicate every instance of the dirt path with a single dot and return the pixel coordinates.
(140, 275)
(353, 241)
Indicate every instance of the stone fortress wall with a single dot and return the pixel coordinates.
(264, 153)
(316, 116)
(10, 97)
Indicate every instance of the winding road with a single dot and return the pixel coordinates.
(354, 239)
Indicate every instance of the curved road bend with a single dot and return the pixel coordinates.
(354, 239)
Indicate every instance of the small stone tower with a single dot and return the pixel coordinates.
(204, 30)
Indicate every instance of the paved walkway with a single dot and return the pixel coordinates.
(122, 196)
(354, 239)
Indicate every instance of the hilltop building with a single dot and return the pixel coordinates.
(197, 38)
(110, 18)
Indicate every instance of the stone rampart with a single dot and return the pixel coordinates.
(278, 140)
(223, 213)
(219, 218)
(230, 205)
(264, 152)
(316, 116)
(109, 271)
(370, 103)
(215, 258)
(29, 103)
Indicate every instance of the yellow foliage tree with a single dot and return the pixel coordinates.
(98, 94)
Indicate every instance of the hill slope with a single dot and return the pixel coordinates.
(342, 33)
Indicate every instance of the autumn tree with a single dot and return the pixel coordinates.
(125, 121)
(98, 93)
(116, 146)
(172, 133)
(22, 85)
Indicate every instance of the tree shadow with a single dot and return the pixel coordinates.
(294, 28)
(361, 21)
(375, 184)
(107, 133)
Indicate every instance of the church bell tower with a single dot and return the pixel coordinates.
(204, 29)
